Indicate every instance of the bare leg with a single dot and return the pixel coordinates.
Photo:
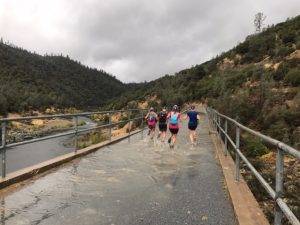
(194, 136)
(152, 133)
(159, 134)
(170, 140)
(174, 139)
(163, 136)
(191, 136)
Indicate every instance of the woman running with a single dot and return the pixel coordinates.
(162, 124)
(151, 117)
(174, 116)
(193, 123)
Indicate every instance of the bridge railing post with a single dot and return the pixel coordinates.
(237, 157)
(212, 119)
(225, 138)
(279, 184)
(129, 119)
(76, 132)
(3, 139)
(129, 125)
(215, 122)
(217, 128)
(110, 126)
(219, 125)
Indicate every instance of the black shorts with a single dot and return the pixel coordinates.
(151, 127)
(174, 131)
(192, 127)
(162, 127)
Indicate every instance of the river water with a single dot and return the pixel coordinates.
(30, 154)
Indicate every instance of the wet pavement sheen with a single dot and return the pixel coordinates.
(136, 181)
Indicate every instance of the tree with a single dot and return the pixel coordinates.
(259, 21)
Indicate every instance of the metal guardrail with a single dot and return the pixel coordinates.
(281, 207)
(4, 122)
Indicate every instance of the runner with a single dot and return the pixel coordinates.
(151, 117)
(173, 117)
(162, 124)
(193, 123)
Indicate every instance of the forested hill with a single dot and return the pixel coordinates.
(257, 82)
(30, 81)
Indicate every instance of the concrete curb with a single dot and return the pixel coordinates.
(31, 171)
(245, 206)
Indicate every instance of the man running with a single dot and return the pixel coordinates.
(193, 123)
(151, 117)
(174, 116)
(162, 124)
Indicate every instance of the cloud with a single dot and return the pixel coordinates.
(136, 40)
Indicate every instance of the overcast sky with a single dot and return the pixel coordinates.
(136, 40)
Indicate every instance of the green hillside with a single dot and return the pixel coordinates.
(30, 81)
(257, 82)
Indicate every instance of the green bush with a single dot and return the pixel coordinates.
(253, 147)
(279, 131)
(284, 51)
(289, 37)
(292, 117)
(293, 77)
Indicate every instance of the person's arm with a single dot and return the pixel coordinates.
(146, 117)
(179, 117)
(169, 116)
(198, 117)
(186, 116)
(156, 117)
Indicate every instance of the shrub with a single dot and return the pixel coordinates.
(253, 147)
(293, 77)
(279, 131)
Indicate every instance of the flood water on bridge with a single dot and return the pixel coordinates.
(132, 182)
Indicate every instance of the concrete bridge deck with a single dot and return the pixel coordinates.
(132, 182)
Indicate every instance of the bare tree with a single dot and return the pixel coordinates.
(259, 21)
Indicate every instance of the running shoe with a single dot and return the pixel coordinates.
(169, 140)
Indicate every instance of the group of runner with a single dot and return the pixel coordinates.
(165, 118)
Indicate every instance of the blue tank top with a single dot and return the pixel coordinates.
(193, 118)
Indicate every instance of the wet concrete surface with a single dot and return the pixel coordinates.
(132, 182)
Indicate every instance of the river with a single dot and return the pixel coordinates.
(30, 154)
